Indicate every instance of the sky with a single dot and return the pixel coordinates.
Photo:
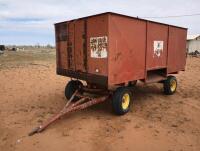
(30, 22)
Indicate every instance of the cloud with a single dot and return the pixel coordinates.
(39, 16)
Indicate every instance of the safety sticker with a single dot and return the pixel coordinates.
(158, 48)
(98, 47)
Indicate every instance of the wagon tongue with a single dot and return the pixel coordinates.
(34, 131)
(82, 103)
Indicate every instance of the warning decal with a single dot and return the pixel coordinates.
(98, 47)
(158, 48)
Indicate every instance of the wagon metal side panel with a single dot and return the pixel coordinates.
(80, 45)
(127, 45)
(61, 45)
(157, 38)
(97, 45)
(63, 55)
(71, 45)
(177, 49)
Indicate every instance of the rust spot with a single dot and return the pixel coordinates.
(117, 56)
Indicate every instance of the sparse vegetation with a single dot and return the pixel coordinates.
(12, 59)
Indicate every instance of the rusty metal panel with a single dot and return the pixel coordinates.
(61, 45)
(97, 39)
(80, 42)
(177, 49)
(63, 55)
(58, 55)
(71, 45)
(157, 39)
(57, 31)
(127, 44)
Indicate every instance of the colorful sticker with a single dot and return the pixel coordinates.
(98, 47)
(158, 48)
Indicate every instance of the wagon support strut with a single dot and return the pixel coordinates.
(82, 103)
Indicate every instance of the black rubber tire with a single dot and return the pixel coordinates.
(71, 87)
(167, 87)
(117, 100)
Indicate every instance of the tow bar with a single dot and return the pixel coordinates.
(82, 103)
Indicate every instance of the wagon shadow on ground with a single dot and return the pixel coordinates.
(141, 95)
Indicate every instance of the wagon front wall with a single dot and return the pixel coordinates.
(82, 49)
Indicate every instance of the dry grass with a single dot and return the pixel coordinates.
(14, 59)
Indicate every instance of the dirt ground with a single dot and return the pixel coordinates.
(31, 92)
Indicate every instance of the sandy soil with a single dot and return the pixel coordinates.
(31, 94)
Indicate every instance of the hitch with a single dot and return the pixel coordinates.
(82, 103)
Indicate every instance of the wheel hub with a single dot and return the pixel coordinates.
(173, 85)
(125, 101)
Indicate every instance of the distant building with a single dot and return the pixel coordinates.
(193, 43)
(2, 47)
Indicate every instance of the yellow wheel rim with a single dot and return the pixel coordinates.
(173, 85)
(125, 101)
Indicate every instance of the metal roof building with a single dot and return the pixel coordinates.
(193, 43)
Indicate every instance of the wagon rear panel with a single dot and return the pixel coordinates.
(177, 49)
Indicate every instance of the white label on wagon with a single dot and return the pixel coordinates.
(158, 48)
(98, 47)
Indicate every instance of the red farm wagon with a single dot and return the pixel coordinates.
(111, 52)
